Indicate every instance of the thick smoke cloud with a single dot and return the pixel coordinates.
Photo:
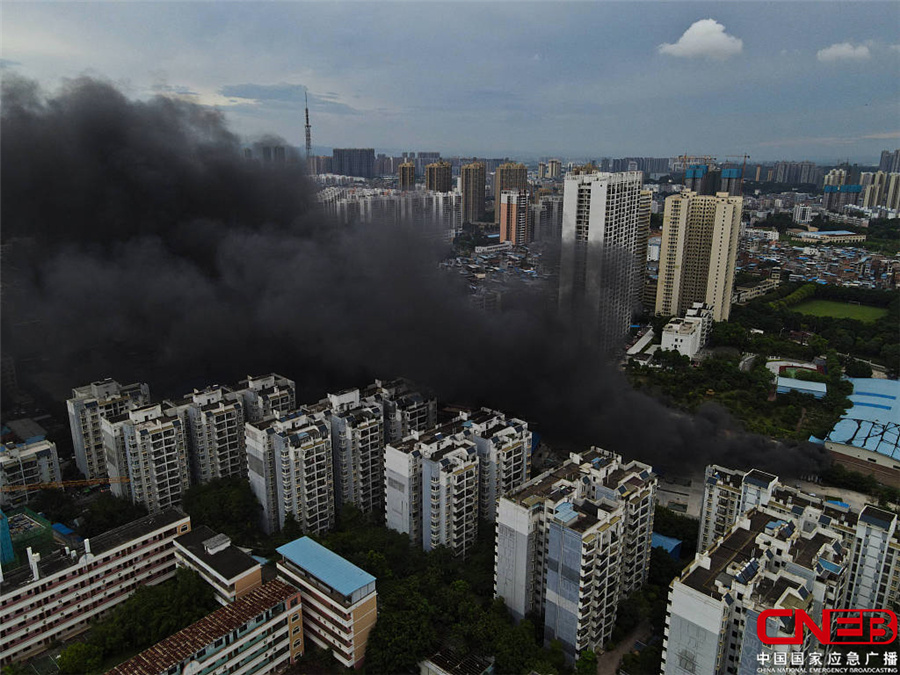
(139, 244)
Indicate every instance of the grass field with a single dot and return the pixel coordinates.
(840, 310)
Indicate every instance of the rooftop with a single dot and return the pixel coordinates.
(184, 644)
(326, 565)
(737, 547)
(229, 561)
(873, 423)
(58, 561)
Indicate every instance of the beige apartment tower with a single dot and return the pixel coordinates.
(516, 222)
(509, 176)
(439, 177)
(471, 185)
(407, 173)
(698, 253)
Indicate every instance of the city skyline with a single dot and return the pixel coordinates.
(788, 81)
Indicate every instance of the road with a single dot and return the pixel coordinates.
(608, 662)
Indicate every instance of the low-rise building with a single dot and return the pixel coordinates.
(867, 437)
(259, 633)
(339, 599)
(54, 597)
(231, 572)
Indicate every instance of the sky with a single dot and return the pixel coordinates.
(779, 80)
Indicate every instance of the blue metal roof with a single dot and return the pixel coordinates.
(327, 566)
(873, 423)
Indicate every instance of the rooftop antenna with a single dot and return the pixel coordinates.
(308, 129)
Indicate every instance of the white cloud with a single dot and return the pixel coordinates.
(894, 48)
(705, 38)
(843, 51)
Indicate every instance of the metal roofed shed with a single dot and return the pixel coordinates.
(788, 384)
(327, 566)
(867, 437)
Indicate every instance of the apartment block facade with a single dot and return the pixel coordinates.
(698, 253)
(870, 536)
(439, 483)
(26, 464)
(149, 447)
(439, 177)
(600, 267)
(471, 186)
(572, 542)
(765, 561)
(291, 470)
(214, 418)
(55, 597)
(340, 604)
(515, 217)
(259, 633)
(90, 404)
(508, 176)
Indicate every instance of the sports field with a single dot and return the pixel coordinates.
(841, 310)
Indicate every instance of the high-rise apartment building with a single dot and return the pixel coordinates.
(439, 177)
(357, 448)
(554, 168)
(407, 176)
(765, 545)
(572, 542)
(890, 161)
(515, 217)
(508, 176)
(57, 596)
(542, 169)
(836, 197)
(353, 162)
(698, 253)
(23, 465)
(599, 261)
(405, 409)
(548, 218)
(90, 404)
(266, 395)
(149, 446)
(214, 420)
(429, 477)
(837, 177)
(431, 487)
(291, 470)
(471, 186)
(504, 456)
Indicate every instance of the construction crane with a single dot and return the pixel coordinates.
(59, 485)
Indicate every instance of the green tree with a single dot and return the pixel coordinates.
(856, 368)
(107, 512)
(226, 505)
(80, 658)
(586, 663)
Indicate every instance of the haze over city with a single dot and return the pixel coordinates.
(787, 80)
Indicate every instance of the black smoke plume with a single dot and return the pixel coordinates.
(138, 243)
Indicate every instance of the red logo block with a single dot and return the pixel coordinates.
(847, 623)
